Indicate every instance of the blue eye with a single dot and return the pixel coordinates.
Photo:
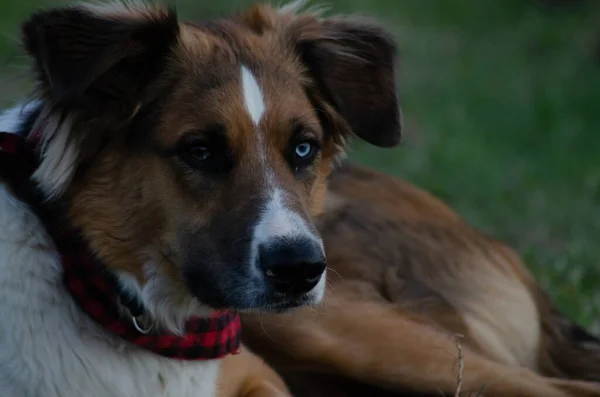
(304, 149)
(303, 154)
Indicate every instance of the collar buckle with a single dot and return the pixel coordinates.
(139, 327)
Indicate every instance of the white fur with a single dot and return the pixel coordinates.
(317, 294)
(255, 107)
(11, 119)
(166, 302)
(49, 348)
(104, 8)
(297, 6)
(253, 97)
(292, 7)
(278, 221)
(59, 156)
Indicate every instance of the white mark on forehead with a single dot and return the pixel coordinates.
(253, 98)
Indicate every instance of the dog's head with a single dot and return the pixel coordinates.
(193, 156)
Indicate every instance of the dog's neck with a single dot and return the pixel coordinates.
(38, 314)
(114, 299)
(166, 306)
(155, 300)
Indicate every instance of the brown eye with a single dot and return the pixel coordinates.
(197, 155)
(207, 151)
(198, 152)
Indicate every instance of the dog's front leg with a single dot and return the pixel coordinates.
(246, 375)
(371, 341)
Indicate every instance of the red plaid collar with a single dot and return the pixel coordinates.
(97, 291)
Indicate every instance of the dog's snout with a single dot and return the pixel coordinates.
(292, 266)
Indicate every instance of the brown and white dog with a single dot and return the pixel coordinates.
(166, 175)
(191, 162)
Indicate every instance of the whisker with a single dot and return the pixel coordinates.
(262, 325)
(329, 269)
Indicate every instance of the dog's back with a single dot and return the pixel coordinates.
(429, 261)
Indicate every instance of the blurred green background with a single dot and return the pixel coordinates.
(502, 107)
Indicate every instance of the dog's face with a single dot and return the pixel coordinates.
(194, 156)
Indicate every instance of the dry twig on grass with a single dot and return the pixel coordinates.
(461, 364)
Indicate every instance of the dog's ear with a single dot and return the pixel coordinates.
(353, 63)
(85, 51)
(95, 66)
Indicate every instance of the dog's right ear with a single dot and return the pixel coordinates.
(87, 50)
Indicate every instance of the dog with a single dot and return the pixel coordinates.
(184, 167)
(163, 178)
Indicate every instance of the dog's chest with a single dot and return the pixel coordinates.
(48, 348)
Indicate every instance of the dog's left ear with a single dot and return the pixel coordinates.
(95, 65)
(353, 63)
(80, 52)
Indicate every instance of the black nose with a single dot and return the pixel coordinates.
(292, 266)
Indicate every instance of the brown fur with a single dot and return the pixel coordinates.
(408, 272)
(246, 375)
(129, 90)
(147, 85)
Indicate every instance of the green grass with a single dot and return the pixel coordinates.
(501, 100)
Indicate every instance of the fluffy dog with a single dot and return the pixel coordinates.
(166, 175)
